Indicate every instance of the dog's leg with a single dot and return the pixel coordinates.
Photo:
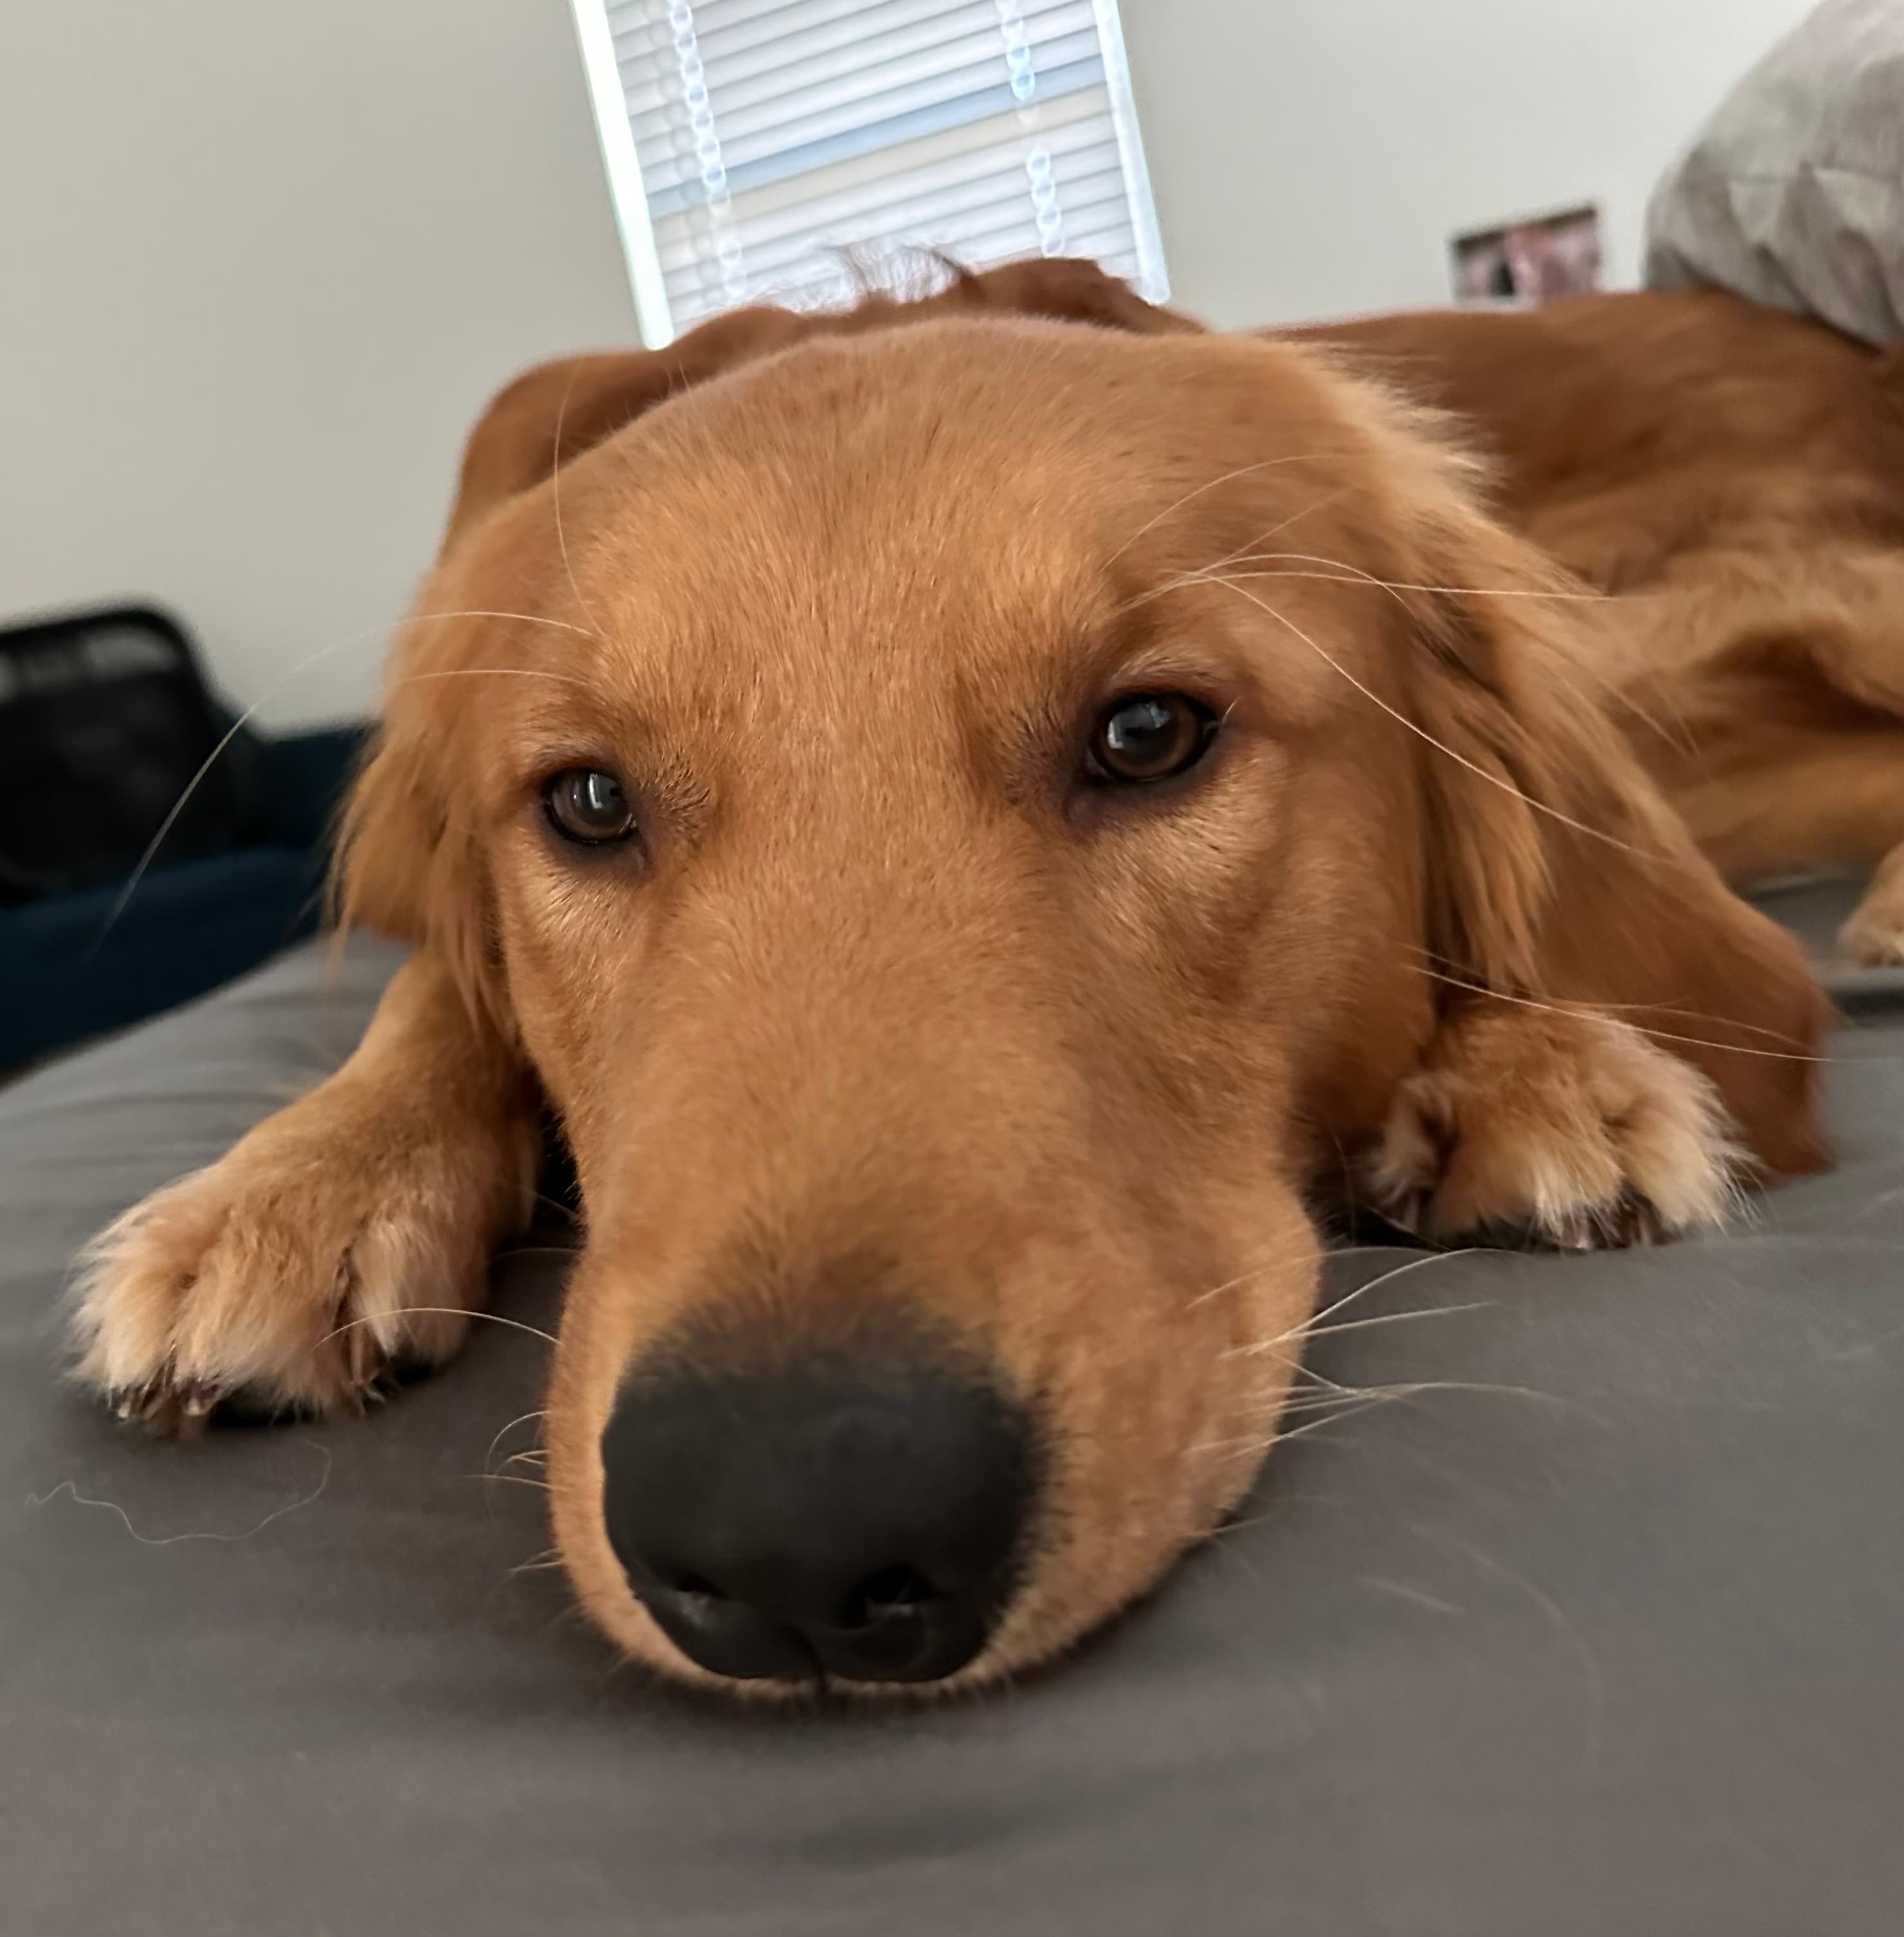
(1564, 1128)
(348, 1233)
(1874, 933)
(1765, 693)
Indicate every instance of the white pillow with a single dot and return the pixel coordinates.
(1794, 193)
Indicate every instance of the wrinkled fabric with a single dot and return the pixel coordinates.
(1793, 193)
(1594, 1624)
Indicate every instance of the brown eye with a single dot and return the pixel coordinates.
(585, 805)
(1150, 736)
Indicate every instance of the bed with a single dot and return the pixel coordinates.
(1591, 1619)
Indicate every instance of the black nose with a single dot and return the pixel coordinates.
(856, 1515)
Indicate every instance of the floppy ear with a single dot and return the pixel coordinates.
(1066, 289)
(1555, 870)
(407, 860)
(550, 415)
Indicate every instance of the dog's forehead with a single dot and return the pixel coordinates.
(817, 522)
(941, 501)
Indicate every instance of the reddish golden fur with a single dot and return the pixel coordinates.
(890, 1009)
(1736, 475)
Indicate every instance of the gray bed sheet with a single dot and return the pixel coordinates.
(1599, 1627)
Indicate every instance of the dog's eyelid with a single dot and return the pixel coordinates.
(1182, 682)
(540, 770)
(540, 760)
(1169, 659)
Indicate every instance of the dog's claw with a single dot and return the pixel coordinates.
(1404, 1211)
(162, 1406)
(137, 1404)
(197, 1402)
(1578, 1231)
(365, 1359)
(1633, 1221)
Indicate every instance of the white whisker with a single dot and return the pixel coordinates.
(1313, 1330)
(1215, 483)
(1354, 574)
(513, 1480)
(197, 781)
(1421, 732)
(1414, 1388)
(522, 1419)
(1667, 1005)
(527, 618)
(555, 491)
(1308, 1327)
(436, 1311)
(1589, 1009)
(143, 864)
(1263, 1442)
(1243, 553)
(1230, 1284)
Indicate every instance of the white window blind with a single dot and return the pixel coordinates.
(757, 149)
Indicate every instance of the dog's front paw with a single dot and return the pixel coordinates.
(327, 1250)
(1565, 1130)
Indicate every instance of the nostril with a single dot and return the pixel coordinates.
(891, 1593)
(836, 1516)
(697, 1600)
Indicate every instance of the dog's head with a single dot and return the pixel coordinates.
(957, 816)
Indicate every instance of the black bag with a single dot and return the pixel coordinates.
(106, 726)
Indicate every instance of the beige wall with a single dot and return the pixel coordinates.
(1311, 157)
(260, 261)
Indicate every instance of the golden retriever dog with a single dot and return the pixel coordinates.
(979, 820)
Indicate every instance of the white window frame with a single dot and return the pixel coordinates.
(626, 192)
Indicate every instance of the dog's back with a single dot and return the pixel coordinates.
(1634, 428)
(1737, 475)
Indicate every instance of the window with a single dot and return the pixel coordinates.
(756, 150)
